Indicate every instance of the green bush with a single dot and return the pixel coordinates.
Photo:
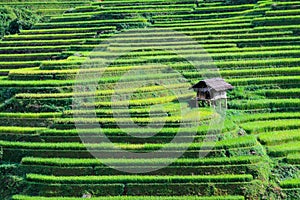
(256, 190)
(13, 19)
(10, 184)
(291, 194)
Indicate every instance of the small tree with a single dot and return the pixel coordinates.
(12, 20)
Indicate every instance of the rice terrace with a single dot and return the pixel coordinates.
(150, 99)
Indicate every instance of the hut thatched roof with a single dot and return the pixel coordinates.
(217, 84)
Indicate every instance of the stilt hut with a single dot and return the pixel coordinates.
(209, 91)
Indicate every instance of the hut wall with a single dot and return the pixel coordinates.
(218, 95)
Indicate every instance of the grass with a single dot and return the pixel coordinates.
(264, 59)
(279, 137)
(277, 20)
(291, 183)
(166, 131)
(163, 55)
(263, 72)
(29, 57)
(75, 64)
(67, 30)
(20, 64)
(287, 81)
(98, 92)
(279, 93)
(225, 8)
(243, 118)
(49, 36)
(50, 83)
(293, 158)
(228, 197)
(282, 12)
(30, 115)
(59, 42)
(284, 149)
(264, 103)
(69, 162)
(91, 23)
(230, 143)
(156, 120)
(267, 126)
(20, 130)
(138, 179)
(30, 49)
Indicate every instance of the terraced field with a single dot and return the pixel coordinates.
(126, 66)
(52, 7)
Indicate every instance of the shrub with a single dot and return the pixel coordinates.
(15, 19)
(10, 184)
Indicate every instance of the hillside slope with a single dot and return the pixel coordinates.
(149, 52)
